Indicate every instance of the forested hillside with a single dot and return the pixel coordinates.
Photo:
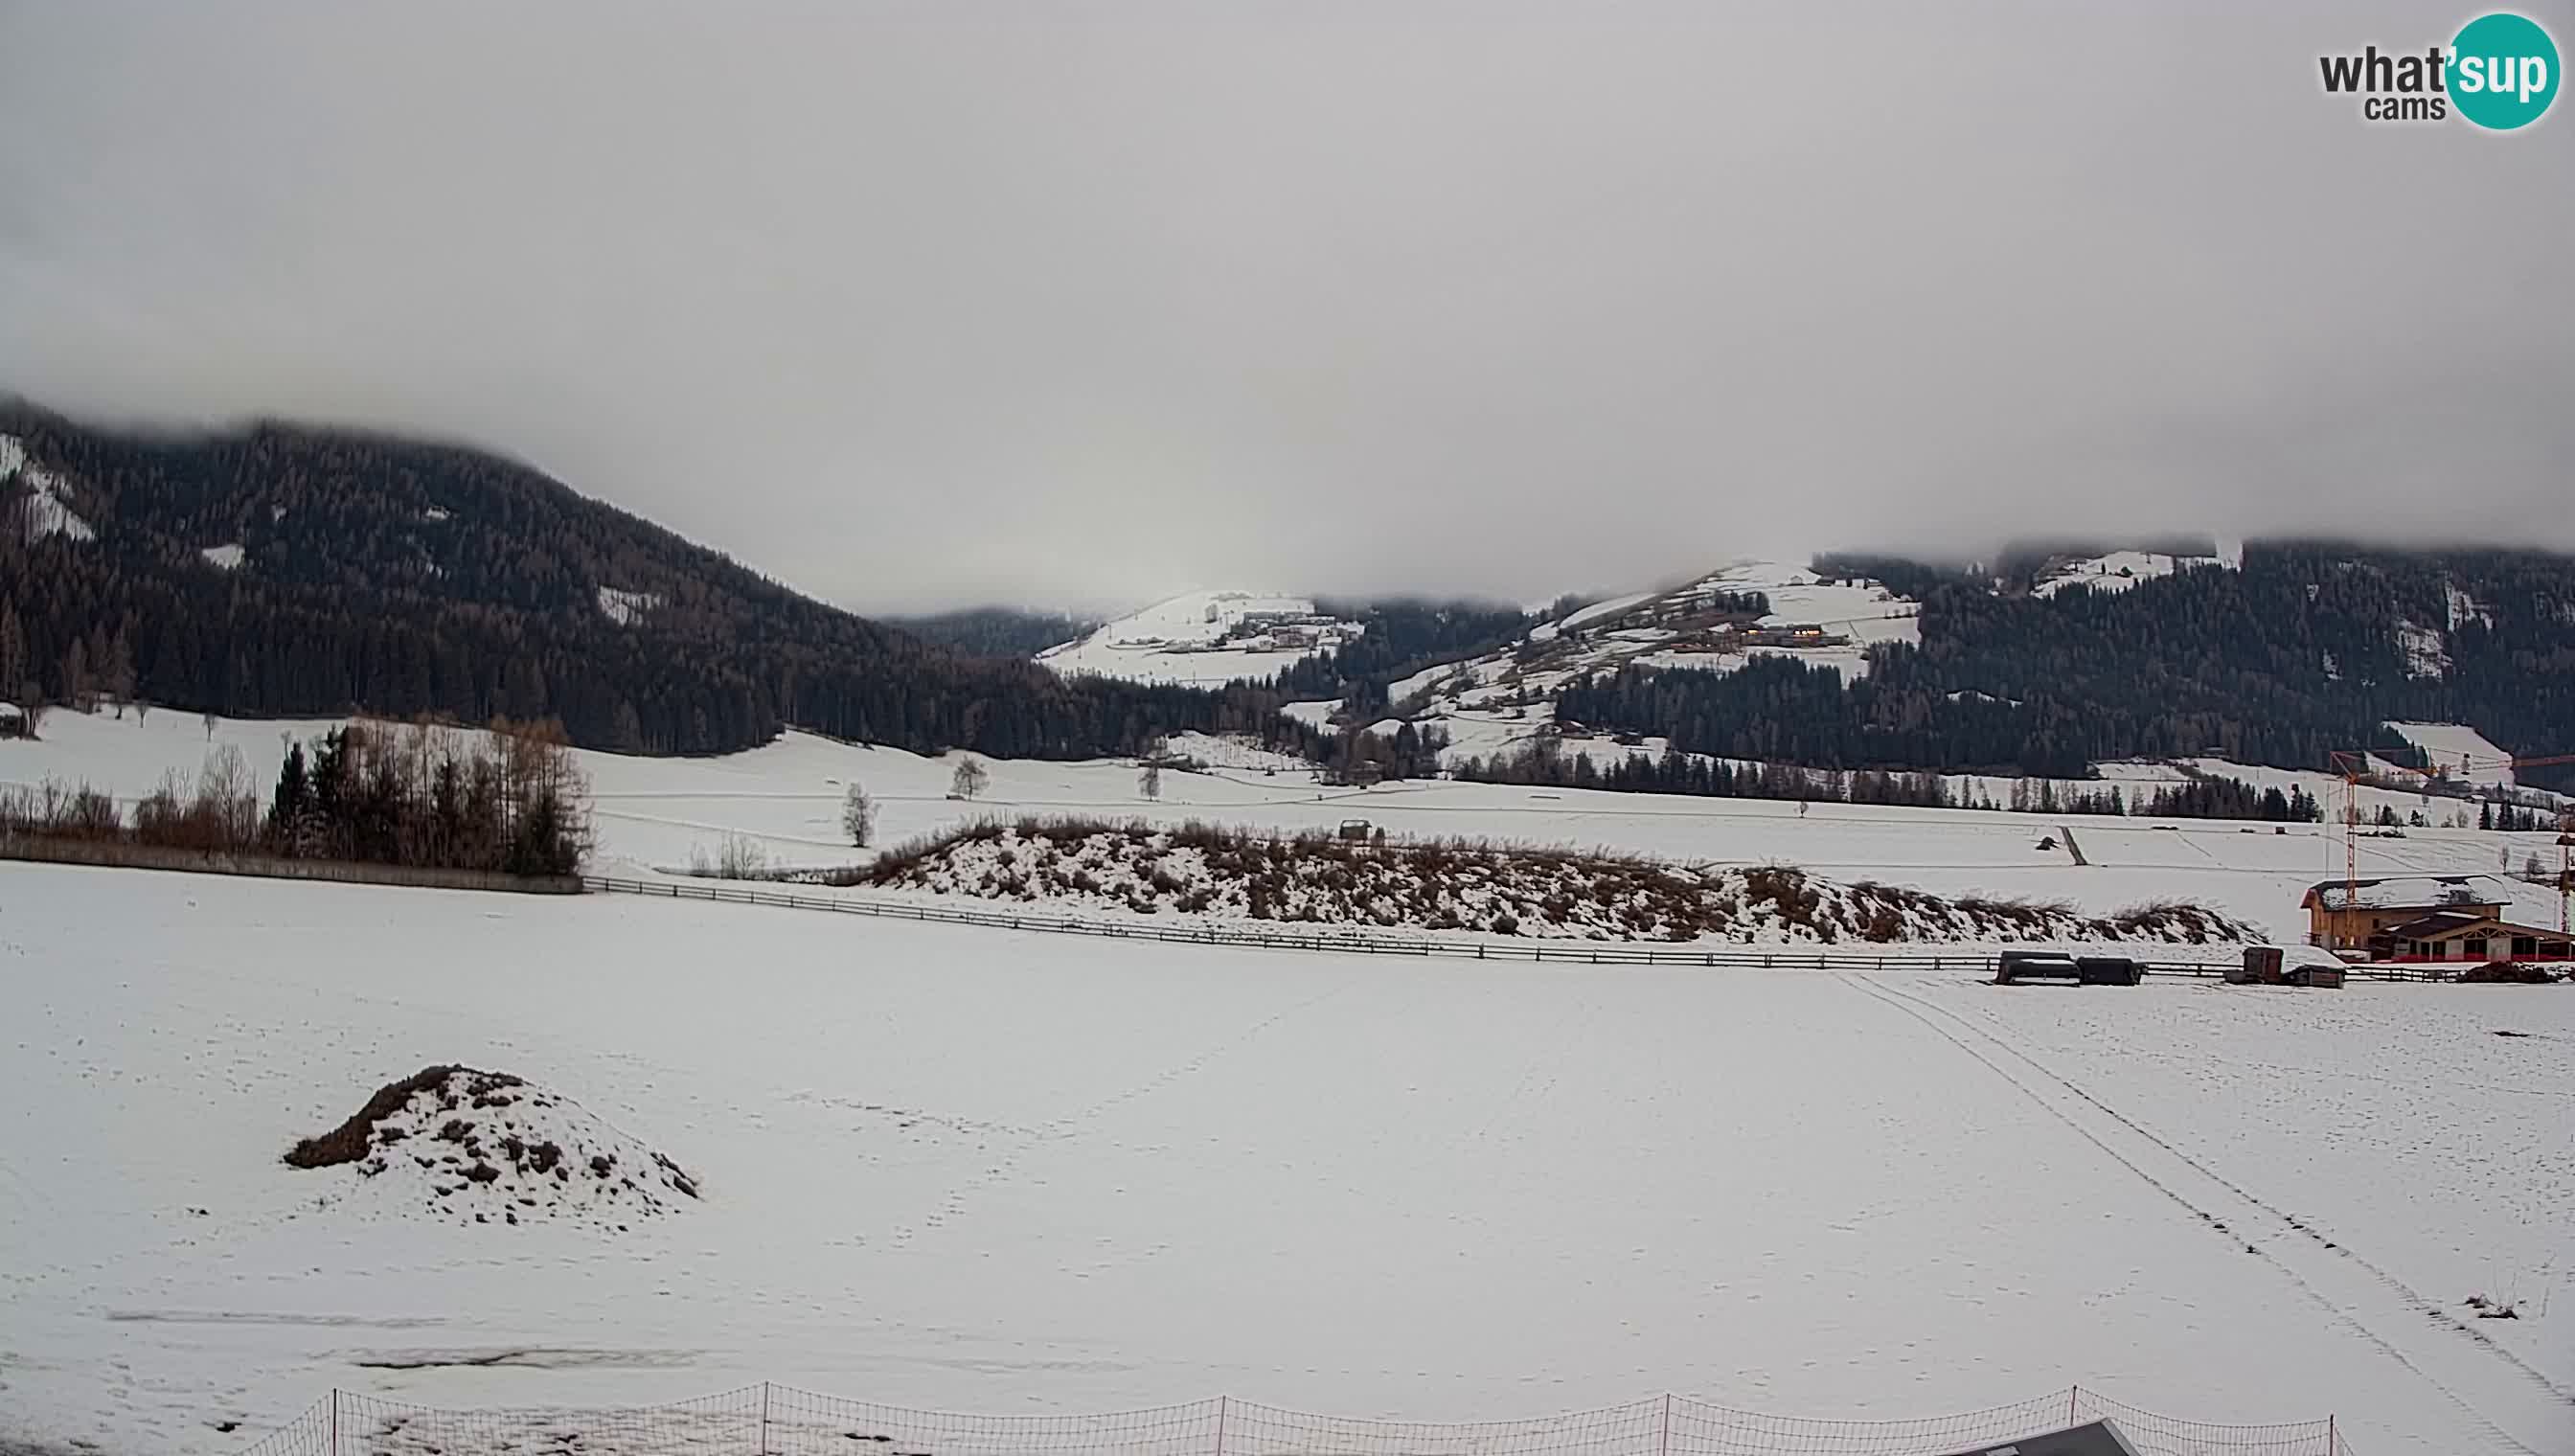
(276, 570)
(995, 632)
(2308, 648)
(1404, 637)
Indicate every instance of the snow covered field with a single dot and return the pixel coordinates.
(653, 813)
(2462, 753)
(970, 1169)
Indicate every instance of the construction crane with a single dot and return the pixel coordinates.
(2357, 765)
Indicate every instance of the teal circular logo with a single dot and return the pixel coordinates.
(2503, 71)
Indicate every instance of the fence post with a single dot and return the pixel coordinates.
(2072, 1394)
(335, 1421)
(1664, 1438)
(1221, 1402)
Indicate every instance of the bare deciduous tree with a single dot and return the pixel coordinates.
(969, 779)
(1149, 782)
(13, 649)
(116, 672)
(858, 816)
(736, 857)
(226, 789)
(77, 687)
(210, 724)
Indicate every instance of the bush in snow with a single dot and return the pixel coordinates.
(1316, 877)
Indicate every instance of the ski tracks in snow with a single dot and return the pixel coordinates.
(1540, 1074)
(1005, 1166)
(2486, 1381)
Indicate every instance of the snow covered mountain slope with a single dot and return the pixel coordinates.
(1204, 638)
(1490, 703)
(41, 510)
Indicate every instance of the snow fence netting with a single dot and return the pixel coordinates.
(803, 1423)
(367, 1427)
(1617, 1430)
(780, 1420)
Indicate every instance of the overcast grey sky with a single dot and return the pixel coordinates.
(915, 305)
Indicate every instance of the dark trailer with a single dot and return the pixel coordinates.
(2093, 1438)
(2014, 966)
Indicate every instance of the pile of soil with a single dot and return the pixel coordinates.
(487, 1148)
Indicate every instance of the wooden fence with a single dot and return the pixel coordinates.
(1984, 960)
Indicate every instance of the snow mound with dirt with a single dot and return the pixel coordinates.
(1242, 876)
(487, 1148)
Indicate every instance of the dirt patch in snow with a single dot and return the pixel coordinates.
(1222, 873)
(487, 1148)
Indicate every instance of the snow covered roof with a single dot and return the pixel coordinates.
(2410, 891)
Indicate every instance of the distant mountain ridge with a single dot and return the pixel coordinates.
(2263, 652)
(282, 569)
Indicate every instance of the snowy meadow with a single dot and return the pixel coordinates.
(970, 1169)
(973, 1169)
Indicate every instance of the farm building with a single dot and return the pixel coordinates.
(2344, 917)
(2467, 935)
(1796, 635)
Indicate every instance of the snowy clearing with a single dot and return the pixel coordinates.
(43, 511)
(626, 607)
(1205, 638)
(2120, 570)
(226, 558)
(1315, 714)
(955, 1168)
(1602, 610)
(2423, 649)
(2461, 752)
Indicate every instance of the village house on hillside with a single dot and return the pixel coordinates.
(2425, 917)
